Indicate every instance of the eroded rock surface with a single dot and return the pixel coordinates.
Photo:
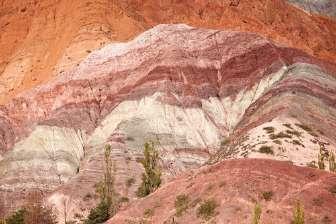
(40, 40)
(186, 89)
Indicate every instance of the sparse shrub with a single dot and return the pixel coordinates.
(298, 214)
(266, 149)
(130, 182)
(224, 143)
(312, 164)
(17, 217)
(148, 212)
(256, 214)
(99, 214)
(304, 127)
(297, 142)
(181, 204)
(124, 199)
(332, 162)
(320, 161)
(277, 141)
(151, 179)
(269, 130)
(287, 125)
(207, 209)
(267, 195)
(279, 135)
(293, 132)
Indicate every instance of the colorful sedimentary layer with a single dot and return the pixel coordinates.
(186, 89)
(40, 40)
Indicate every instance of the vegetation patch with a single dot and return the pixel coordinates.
(312, 164)
(181, 204)
(130, 182)
(266, 150)
(280, 135)
(277, 141)
(269, 130)
(307, 129)
(151, 179)
(149, 212)
(294, 132)
(288, 125)
(207, 209)
(256, 214)
(297, 142)
(298, 214)
(267, 195)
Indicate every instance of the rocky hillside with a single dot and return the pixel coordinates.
(230, 191)
(42, 39)
(200, 95)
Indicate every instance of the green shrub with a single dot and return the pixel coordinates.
(320, 161)
(148, 212)
(130, 182)
(293, 132)
(17, 217)
(298, 214)
(277, 141)
(181, 204)
(266, 149)
(332, 162)
(269, 130)
(280, 135)
(304, 127)
(207, 209)
(151, 179)
(99, 214)
(287, 125)
(267, 195)
(256, 214)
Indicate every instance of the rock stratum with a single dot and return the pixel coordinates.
(201, 95)
(40, 40)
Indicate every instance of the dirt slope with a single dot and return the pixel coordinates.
(236, 186)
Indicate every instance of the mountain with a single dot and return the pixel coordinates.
(40, 40)
(201, 95)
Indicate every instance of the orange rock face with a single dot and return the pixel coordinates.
(41, 39)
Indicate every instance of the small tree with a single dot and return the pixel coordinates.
(298, 214)
(256, 214)
(321, 160)
(151, 179)
(109, 203)
(332, 162)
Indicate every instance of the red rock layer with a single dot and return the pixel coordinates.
(236, 186)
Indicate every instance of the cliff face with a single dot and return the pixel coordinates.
(40, 40)
(185, 88)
